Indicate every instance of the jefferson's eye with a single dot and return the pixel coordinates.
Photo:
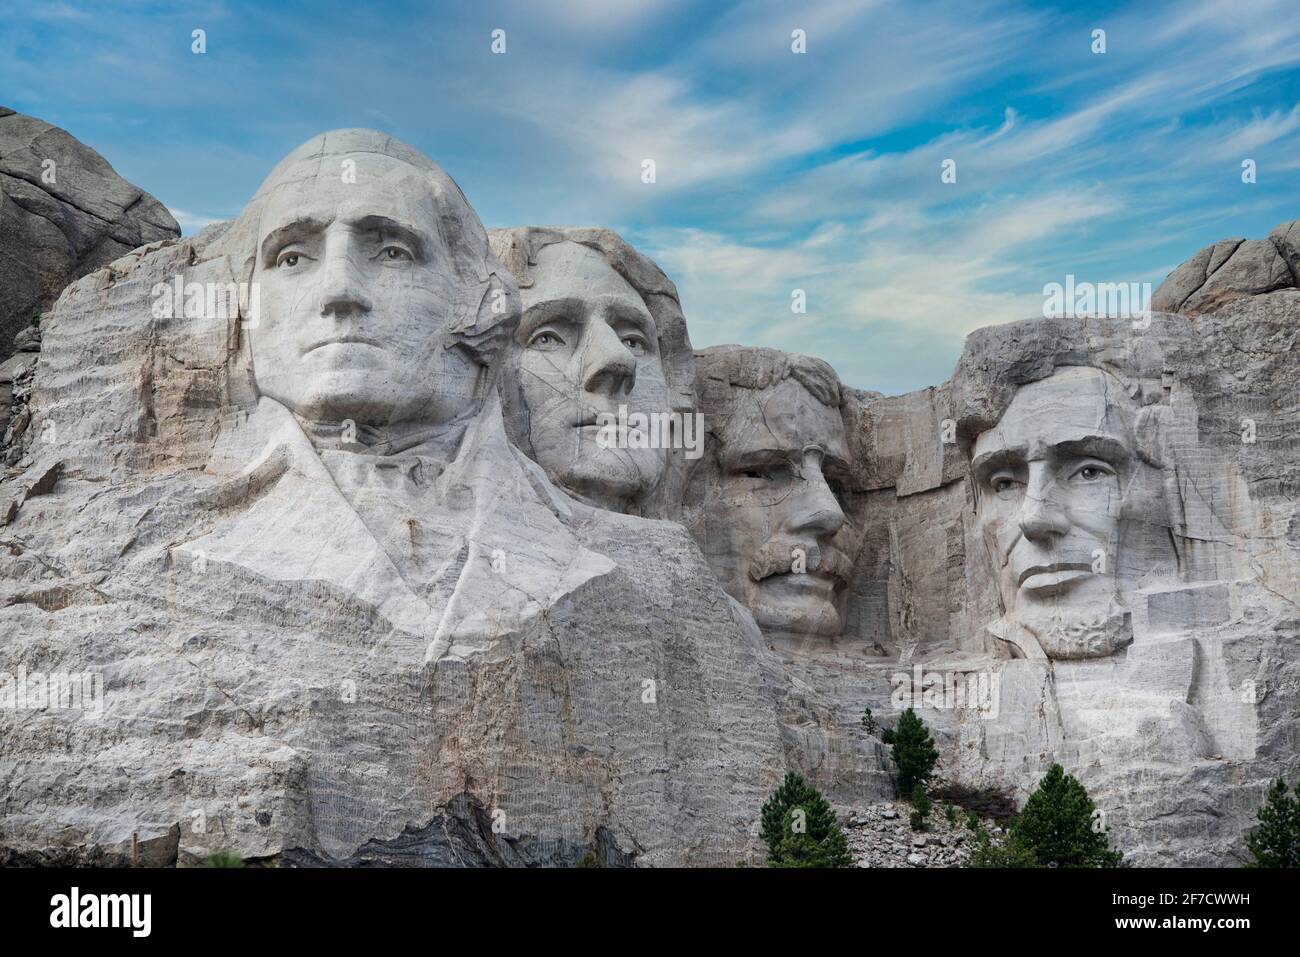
(396, 254)
(1091, 473)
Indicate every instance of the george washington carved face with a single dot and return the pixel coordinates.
(361, 279)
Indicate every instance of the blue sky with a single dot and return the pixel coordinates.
(775, 170)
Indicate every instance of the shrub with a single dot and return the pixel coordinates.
(950, 814)
(887, 735)
(998, 804)
(914, 752)
(800, 829)
(972, 821)
(590, 860)
(1276, 841)
(917, 820)
(1012, 852)
(223, 859)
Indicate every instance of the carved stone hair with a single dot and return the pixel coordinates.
(722, 368)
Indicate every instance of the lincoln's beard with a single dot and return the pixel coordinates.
(1065, 635)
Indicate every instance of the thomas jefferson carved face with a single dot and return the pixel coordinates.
(357, 289)
(1062, 492)
(772, 516)
(587, 345)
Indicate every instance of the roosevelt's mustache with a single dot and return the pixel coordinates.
(777, 557)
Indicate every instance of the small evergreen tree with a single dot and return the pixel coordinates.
(920, 800)
(972, 821)
(1057, 824)
(914, 752)
(1276, 841)
(950, 814)
(800, 829)
(869, 722)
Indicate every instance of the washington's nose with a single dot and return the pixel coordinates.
(1041, 519)
(815, 509)
(342, 291)
(608, 366)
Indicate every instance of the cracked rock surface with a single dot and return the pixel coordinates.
(64, 213)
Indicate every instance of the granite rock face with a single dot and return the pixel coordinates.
(366, 643)
(64, 213)
(314, 549)
(1123, 600)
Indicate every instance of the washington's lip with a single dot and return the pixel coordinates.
(339, 340)
(1053, 569)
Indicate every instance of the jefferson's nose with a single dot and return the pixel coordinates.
(814, 509)
(608, 366)
(1041, 518)
(342, 289)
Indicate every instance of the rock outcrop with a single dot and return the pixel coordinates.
(1232, 269)
(292, 567)
(64, 213)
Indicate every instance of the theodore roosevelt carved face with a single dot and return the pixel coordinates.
(768, 507)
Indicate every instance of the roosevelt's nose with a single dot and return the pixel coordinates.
(1041, 518)
(342, 285)
(608, 366)
(814, 509)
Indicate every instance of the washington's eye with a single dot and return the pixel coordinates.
(545, 340)
(287, 259)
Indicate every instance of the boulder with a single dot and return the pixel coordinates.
(64, 213)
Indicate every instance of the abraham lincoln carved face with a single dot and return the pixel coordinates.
(1070, 512)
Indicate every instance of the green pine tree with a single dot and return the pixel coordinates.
(800, 828)
(1058, 825)
(914, 752)
(1276, 841)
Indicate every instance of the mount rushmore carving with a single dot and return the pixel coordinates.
(443, 546)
